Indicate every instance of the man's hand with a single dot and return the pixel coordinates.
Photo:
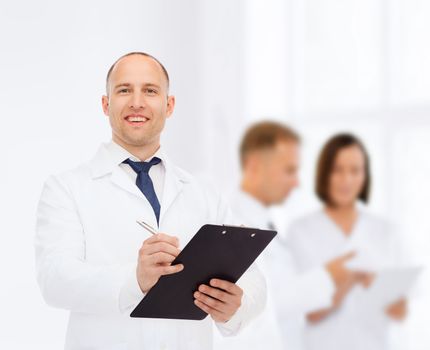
(221, 299)
(155, 258)
(398, 310)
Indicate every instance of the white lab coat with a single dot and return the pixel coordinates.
(87, 242)
(279, 326)
(316, 239)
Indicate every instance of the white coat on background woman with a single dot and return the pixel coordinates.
(343, 179)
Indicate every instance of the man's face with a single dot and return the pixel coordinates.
(278, 170)
(137, 103)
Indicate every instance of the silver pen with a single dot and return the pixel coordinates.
(147, 227)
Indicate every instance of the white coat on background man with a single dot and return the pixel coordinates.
(269, 174)
(87, 240)
(290, 294)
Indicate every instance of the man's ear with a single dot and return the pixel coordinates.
(252, 161)
(170, 105)
(105, 105)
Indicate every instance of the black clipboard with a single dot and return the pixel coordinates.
(223, 252)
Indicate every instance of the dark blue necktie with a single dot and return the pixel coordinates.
(144, 182)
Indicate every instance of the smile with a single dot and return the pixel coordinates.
(136, 119)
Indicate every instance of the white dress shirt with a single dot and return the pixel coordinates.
(156, 172)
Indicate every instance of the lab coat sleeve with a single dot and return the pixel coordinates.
(65, 278)
(252, 283)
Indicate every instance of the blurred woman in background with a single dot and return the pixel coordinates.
(344, 225)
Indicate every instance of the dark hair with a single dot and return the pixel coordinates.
(326, 162)
(141, 54)
(265, 135)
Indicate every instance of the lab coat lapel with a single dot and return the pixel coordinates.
(173, 185)
(102, 164)
(120, 179)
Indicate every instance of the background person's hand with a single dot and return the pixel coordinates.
(155, 258)
(397, 310)
(365, 278)
(337, 270)
(349, 280)
(344, 280)
(221, 299)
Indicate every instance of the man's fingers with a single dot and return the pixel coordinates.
(211, 302)
(162, 237)
(149, 249)
(215, 293)
(169, 270)
(215, 314)
(221, 299)
(226, 286)
(161, 258)
(202, 306)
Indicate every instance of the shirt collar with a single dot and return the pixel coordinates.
(110, 155)
(251, 210)
(119, 153)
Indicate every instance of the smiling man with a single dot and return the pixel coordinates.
(89, 251)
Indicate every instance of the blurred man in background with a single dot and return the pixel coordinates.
(269, 154)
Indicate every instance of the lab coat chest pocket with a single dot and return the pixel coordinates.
(184, 218)
(109, 223)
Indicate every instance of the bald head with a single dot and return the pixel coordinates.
(144, 55)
